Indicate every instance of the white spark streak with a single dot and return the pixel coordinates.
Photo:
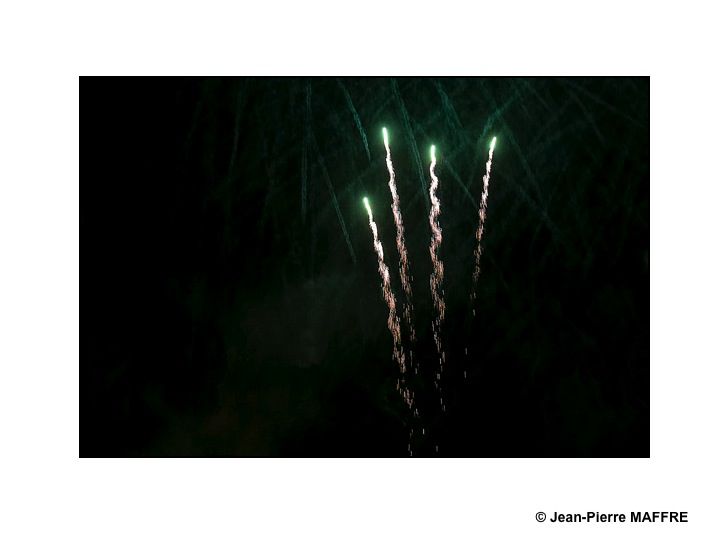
(436, 278)
(400, 241)
(482, 212)
(393, 321)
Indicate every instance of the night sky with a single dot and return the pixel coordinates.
(224, 312)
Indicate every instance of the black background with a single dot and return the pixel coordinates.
(225, 313)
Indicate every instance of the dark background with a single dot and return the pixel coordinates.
(224, 313)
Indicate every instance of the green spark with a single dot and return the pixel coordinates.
(432, 152)
(367, 204)
(492, 144)
(385, 135)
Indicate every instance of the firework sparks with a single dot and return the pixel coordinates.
(400, 240)
(482, 212)
(393, 321)
(436, 278)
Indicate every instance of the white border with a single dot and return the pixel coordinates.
(47, 492)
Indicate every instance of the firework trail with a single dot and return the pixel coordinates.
(436, 278)
(393, 321)
(356, 117)
(481, 213)
(400, 240)
(450, 111)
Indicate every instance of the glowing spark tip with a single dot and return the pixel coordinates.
(432, 152)
(492, 144)
(385, 136)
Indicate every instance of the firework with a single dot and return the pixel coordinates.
(482, 212)
(400, 240)
(356, 117)
(436, 278)
(393, 321)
